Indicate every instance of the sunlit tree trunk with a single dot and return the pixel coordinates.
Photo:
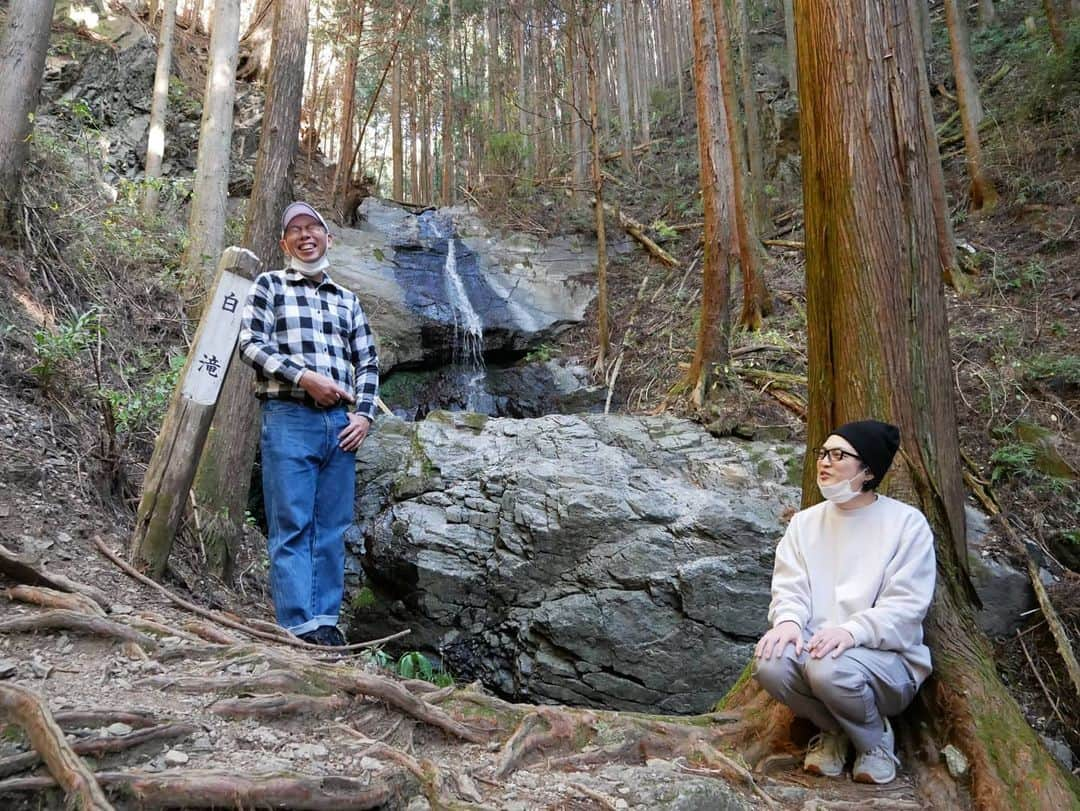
(878, 346)
(223, 479)
(159, 108)
(210, 192)
(23, 48)
(984, 196)
(711, 351)
(396, 147)
(637, 36)
(623, 90)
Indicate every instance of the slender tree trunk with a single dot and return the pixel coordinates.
(680, 57)
(528, 139)
(223, 479)
(210, 193)
(23, 48)
(755, 161)
(984, 196)
(159, 108)
(642, 82)
(602, 74)
(396, 146)
(625, 129)
(711, 351)
(494, 69)
(1053, 19)
(987, 15)
(447, 192)
(354, 29)
(743, 240)
(878, 346)
(789, 39)
(603, 329)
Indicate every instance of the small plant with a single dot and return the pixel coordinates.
(414, 665)
(1065, 368)
(144, 407)
(1011, 460)
(663, 230)
(56, 349)
(541, 354)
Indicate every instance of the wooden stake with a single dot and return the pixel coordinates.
(183, 432)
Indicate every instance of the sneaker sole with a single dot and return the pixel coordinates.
(863, 777)
(821, 772)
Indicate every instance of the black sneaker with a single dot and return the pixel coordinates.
(330, 636)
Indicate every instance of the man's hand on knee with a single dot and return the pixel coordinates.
(778, 638)
(830, 640)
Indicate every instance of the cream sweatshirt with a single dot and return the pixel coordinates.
(869, 571)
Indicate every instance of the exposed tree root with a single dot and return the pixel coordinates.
(76, 621)
(272, 681)
(210, 633)
(75, 719)
(96, 747)
(279, 706)
(249, 627)
(27, 710)
(210, 789)
(21, 571)
(51, 598)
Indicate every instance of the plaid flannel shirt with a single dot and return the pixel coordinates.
(291, 323)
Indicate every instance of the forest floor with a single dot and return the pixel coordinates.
(80, 397)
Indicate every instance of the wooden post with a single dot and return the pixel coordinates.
(183, 431)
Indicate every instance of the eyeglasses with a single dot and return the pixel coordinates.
(296, 230)
(834, 454)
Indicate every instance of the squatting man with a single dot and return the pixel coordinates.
(313, 353)
(853, 579)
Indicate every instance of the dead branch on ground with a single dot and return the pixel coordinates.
(18, 569)
(279, 706)
(26, 709)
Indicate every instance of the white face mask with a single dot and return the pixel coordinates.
(309, 269)
(841, 492)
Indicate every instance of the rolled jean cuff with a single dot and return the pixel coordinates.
(312, 624)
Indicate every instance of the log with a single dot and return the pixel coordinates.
(26, 709)
(183, 432)
(637, 231)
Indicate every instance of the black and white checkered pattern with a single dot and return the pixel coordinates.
(291, 324)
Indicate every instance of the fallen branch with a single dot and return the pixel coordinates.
(1061, 636)
(214, 789)
(65, 620)
(26, 709)
(75, 719)
(794, 244)
(614, 156)
(96, 747)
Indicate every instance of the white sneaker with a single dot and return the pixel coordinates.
(879, 764)
(826, 754)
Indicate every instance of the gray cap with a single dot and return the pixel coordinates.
(294, 210)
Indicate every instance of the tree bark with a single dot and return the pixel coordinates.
(878, 347)
(984, 196)
(789, 39)
(447, 191)
(397, 151)
(354, 28)
(210, 193)
(603, 329)
(1053, 20)
(625, 128)
(223, 478)
(711, 350)
(159, 108)
(23, 48)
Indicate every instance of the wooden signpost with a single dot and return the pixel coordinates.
(183, 431)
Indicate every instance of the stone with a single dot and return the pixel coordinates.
(309, 751)
(418, 804)
(370, 764)
(8, 668)
(174, 757)
(955, 761)
(1059, 749)
(118, 729)
(625, 562)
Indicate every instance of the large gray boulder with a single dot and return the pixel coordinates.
(601, 560)
(523, 290)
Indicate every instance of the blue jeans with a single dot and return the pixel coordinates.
(308, 488)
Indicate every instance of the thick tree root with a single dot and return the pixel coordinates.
(75, 719)
(51, 598)
(28, 711)
(210, 789)
(65, 620)
(21, 571)
(279, 706)
(96, 747)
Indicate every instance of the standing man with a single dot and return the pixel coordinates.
(852, 582)
(313, 354)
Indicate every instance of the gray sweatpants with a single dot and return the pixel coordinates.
(851, 692)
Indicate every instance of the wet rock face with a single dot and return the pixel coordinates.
(600, 560)
(523, 291)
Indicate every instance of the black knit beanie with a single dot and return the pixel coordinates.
(875, 442)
